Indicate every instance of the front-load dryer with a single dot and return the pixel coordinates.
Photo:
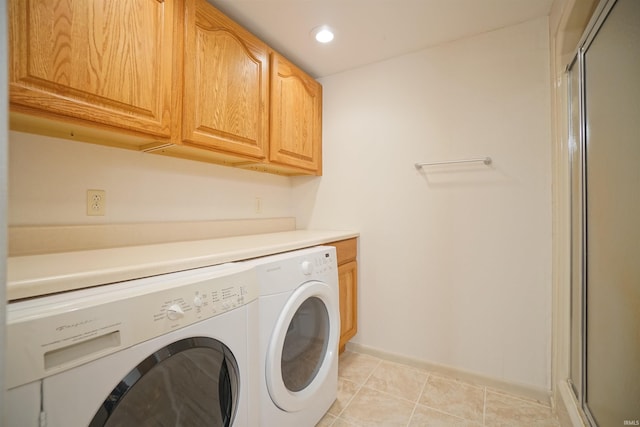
(170, 350)
(298, 335)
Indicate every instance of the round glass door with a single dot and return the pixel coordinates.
(192, 382)
(303, 346)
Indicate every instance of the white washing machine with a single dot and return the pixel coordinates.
(171, 350)
(299, 333)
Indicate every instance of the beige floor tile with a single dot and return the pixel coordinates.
(505, 410)
(454, 397)
(356, 367)
(346, 390)
(371, 408)
(427, 417)
(399, 380)
(341, 422)
(327, 421)
(377, 393)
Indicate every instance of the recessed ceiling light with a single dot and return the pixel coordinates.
(323, 34)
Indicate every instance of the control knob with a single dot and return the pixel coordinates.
(307, 267)
(174, 312)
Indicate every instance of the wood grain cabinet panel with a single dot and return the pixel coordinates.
(296, 117)
(226, 84)
(172, 77)
(348, 280)
(347, 252)
(99, 61)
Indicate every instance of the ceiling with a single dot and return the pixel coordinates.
(368, 31)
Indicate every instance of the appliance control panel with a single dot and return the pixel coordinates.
(318, 263)
(61, 331)
(200, 301)
(284, 272)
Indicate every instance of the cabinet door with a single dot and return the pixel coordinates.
(100, 61)
(348, 282)
(296, 117)
(226, 78)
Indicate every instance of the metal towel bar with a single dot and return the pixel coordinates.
(486, 160)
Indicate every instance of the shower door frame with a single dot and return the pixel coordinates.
(577, 138)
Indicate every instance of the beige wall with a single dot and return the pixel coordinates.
(455, 263)
(49, 178)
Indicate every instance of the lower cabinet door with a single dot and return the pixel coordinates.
(348, 279)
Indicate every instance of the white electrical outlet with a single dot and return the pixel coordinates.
(258, 205)
(96, 202)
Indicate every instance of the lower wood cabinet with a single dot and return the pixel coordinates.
(347, 252)
(348, 279)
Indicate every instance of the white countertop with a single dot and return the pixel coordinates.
(34, 275)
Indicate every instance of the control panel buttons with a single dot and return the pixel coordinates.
(174, 312)
(204, 299)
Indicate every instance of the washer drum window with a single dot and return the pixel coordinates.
(305, 344)
(191, 382)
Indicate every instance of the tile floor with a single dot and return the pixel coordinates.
(374, 392)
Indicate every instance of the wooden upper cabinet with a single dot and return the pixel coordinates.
(173, 77)
(226, 78)
(101, 61)
(296, 117)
